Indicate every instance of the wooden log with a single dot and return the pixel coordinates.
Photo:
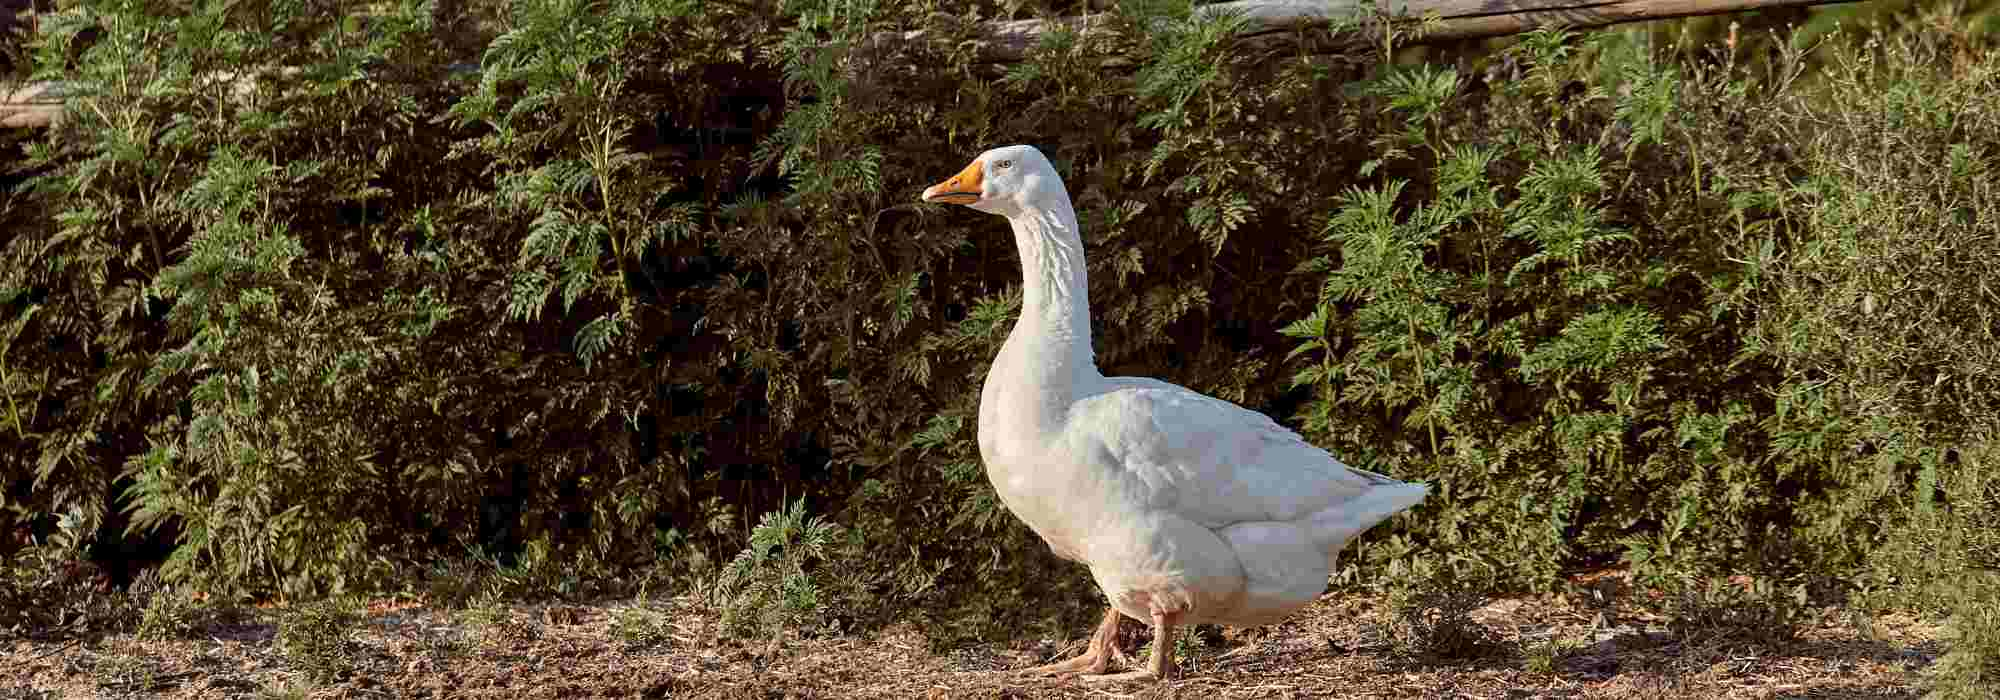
(40, 104)
(1011, 41)
(30, 105)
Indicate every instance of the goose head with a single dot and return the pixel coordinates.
(1007, 181)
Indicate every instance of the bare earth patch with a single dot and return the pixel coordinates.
(1336, 648)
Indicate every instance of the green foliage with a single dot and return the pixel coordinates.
(167, 613)
(285, 692)
(490, 618)
(1546, 319)
(638, 627)
(1546, 657)
(1759, 611)
(1969, 669)
(45, 590)
(181, 280)
(1429, 616)
(129, 673)
(772, 584)
(1885, 337)
(295, 292)
(1702, 345)
(1945, 558)
(314, 638)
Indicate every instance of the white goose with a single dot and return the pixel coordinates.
(1187, 509)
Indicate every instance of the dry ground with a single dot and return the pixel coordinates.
(669, 649)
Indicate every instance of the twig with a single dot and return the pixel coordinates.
(52, 652)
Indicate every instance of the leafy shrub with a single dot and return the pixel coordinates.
(47, 591)
(1516, 331)
(1886, 337)
(1599, 315)
(204, 344)
(1968, 670)
(1944, 560)
(297, 292)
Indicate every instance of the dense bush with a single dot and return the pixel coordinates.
(301, 293)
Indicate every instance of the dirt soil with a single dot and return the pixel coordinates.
(1335, 648)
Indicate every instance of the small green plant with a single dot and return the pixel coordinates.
(1542, 657)
(771, 584)
(485, 611)
(289, 691)
(126, 673)
(446, 645)
(315, 637)
(167, 612)
(1188, 646)
(1741, 609)
(1431, 619)
(1546, 656)
(638, 627)
(493, 622)
(172, 614)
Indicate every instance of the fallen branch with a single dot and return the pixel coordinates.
(1011, 41)
(34, 105)
(1503, 17)
(31, 105)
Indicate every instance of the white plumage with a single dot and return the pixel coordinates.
(1187, 509)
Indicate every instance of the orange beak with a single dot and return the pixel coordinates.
(964, 188)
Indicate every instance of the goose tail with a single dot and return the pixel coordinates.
(1381, 498)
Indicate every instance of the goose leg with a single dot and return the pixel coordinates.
(1096, 657)
(1161, 665)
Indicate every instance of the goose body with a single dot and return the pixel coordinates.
(1186, 508)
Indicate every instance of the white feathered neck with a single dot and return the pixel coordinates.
(1050, 346)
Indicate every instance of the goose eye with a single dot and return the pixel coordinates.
(1006, 164)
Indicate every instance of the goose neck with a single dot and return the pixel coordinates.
(1055, 290)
